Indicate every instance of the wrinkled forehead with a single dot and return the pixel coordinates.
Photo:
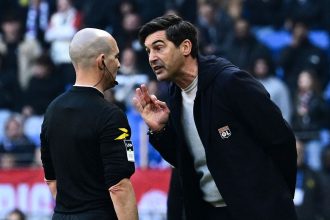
(158, 36)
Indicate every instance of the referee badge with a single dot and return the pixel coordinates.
(129, 150)
(224, 132)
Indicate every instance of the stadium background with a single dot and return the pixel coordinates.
(284, 43)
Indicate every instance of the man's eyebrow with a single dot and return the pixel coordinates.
(157, 41)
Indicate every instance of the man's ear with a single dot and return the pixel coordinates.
(100, 61)
(185, 47)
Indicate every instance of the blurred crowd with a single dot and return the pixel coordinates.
(285, 44)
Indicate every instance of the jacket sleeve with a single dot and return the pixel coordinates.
(251, 104)
(164, 142)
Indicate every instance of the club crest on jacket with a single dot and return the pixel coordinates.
(224, 132)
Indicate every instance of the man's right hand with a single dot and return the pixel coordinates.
(154, 112)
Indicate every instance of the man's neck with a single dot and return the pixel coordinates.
(187, 74)
(84, 78)
(88, 85)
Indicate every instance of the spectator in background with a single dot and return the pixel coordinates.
(127, 34)
(38, 14)
(309, 11)
(17, 51)
(149, 9)
(215, 29)
(129, 77)
(106, 15)
(326, 94)
(302, 54)
(264, 13)
(263, 70)
(16, 214)
(44, 85)
(96, 13)
(308, 197)
(16, 143)
(128, 59)
(326, 14)
(187, 9)
(64, 23)
(125, 7)
(121, 9)
(326, 97)
(11, 29)
(309, 116)
(7, 161)
(10, 91)
(244, 47)
(234, 8)
(325, 182)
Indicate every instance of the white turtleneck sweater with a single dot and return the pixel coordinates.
(210, 191)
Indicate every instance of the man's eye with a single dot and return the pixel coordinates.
(158, 48)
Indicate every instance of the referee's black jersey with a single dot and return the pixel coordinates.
(84, 143)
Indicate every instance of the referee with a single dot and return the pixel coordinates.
(86, 152)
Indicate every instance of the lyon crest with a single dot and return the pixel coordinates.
(224, 132)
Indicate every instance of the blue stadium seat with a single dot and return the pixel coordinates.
(4, 115)
(275, 40)
(320, 39)
(32, 128)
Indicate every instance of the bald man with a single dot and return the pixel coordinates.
(86, 151)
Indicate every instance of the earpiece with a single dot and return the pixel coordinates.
(110, 74)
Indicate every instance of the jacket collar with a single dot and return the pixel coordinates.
(208, 68)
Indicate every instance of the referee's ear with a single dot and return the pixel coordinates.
(100, 61)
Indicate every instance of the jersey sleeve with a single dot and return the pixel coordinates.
(46, 158)
(116, 148)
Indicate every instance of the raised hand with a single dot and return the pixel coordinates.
(154, 112)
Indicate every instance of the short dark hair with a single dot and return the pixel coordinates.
(177, 30)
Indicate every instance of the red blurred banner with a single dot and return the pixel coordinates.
(25, 189)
